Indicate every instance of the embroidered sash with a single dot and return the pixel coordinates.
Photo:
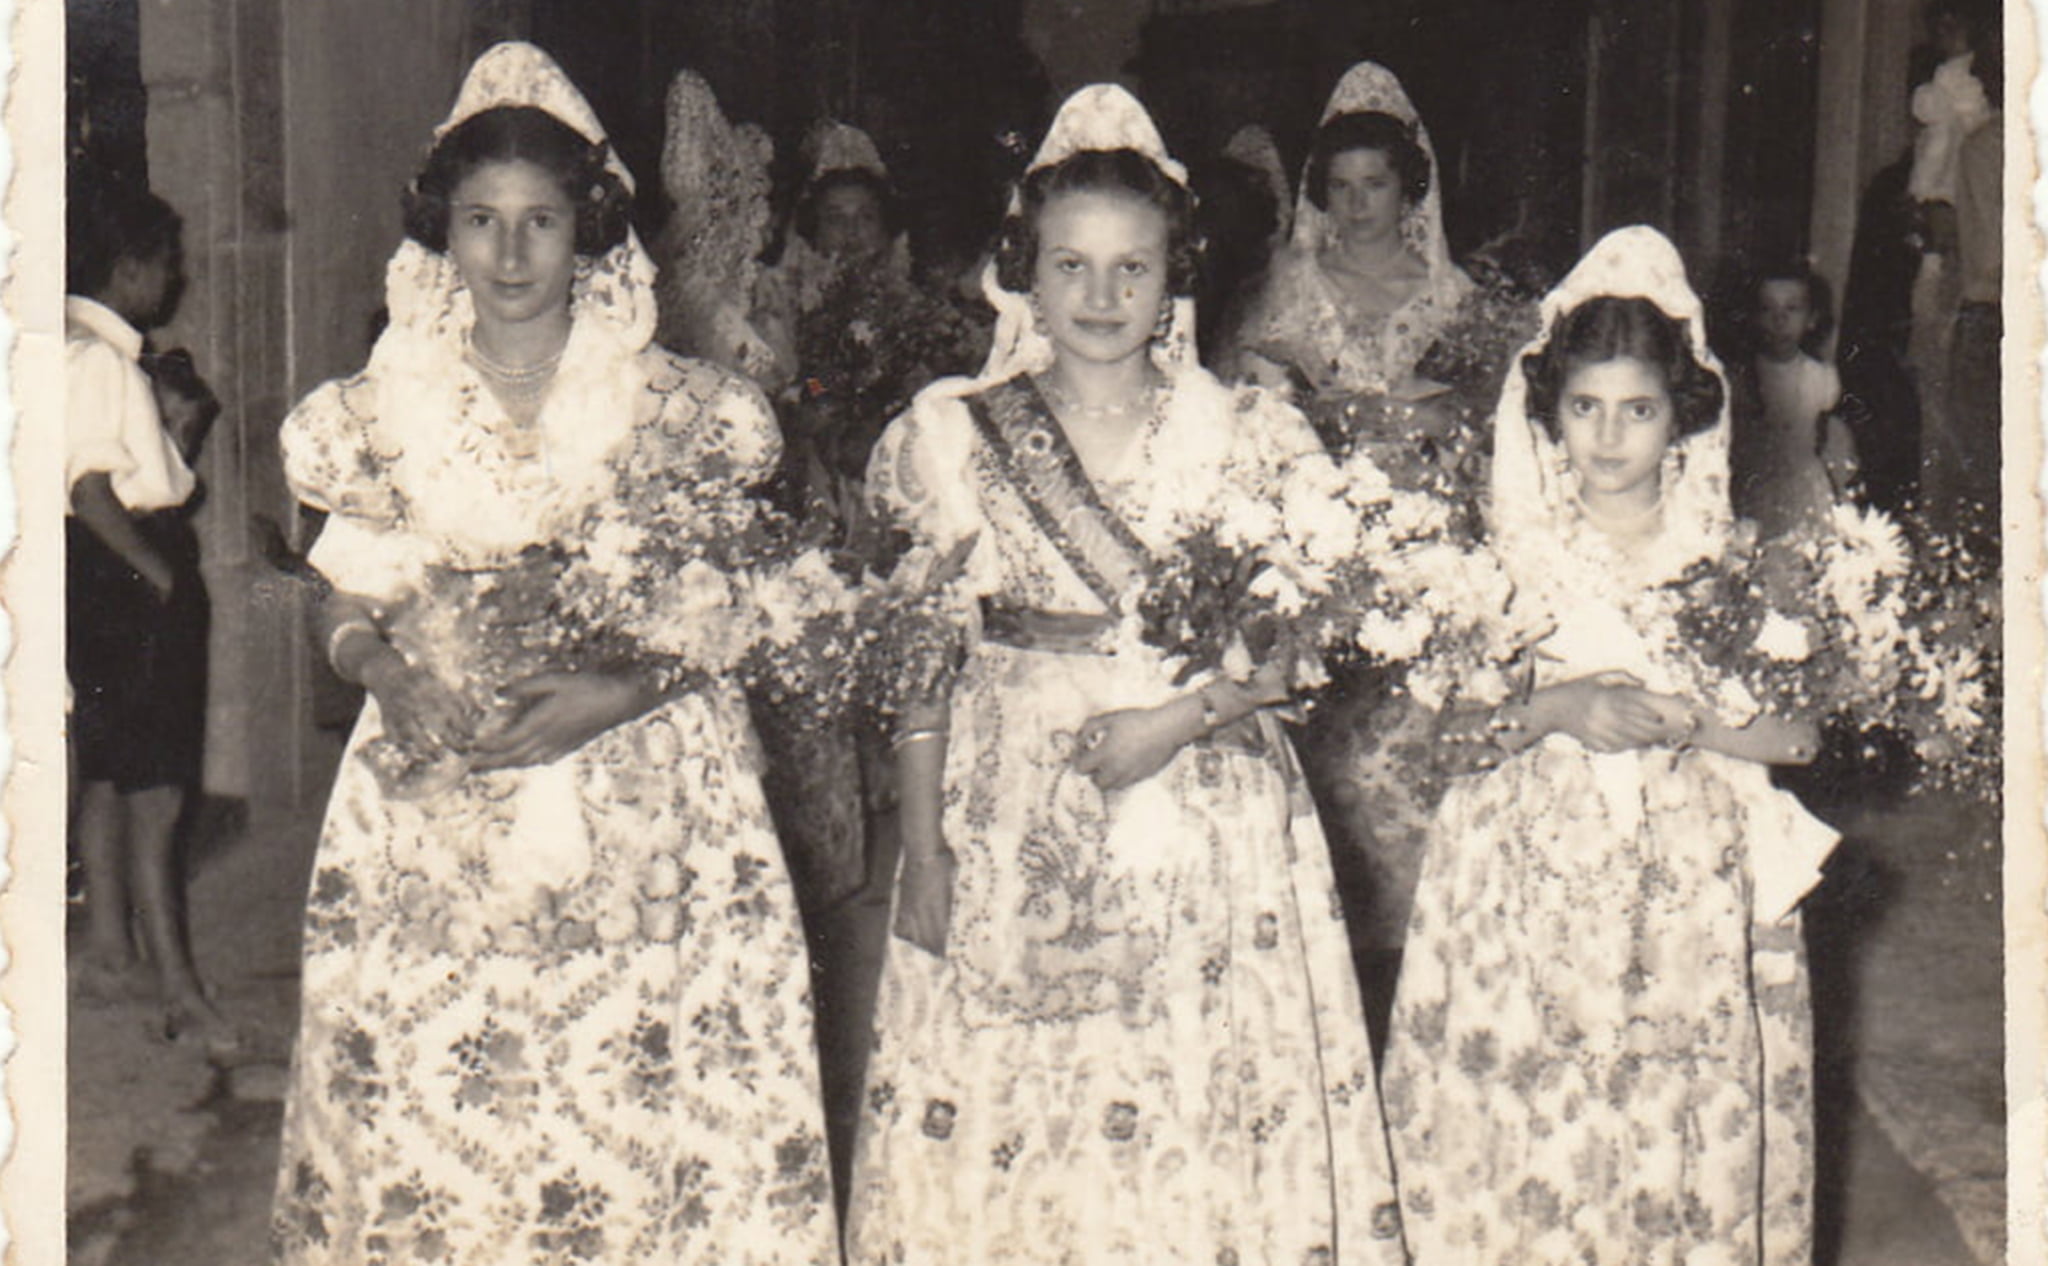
(1032, 454)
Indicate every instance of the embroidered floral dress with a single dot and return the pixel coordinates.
(1144, 1041)
(1597, 1048)
(558, 1013)
(615, 1068)
(1601, 1047)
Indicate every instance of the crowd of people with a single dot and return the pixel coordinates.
(1060, 952)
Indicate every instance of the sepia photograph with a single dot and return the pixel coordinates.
(1030, 633)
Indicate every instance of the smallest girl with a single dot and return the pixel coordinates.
(1794, 454)
(1599, 1046)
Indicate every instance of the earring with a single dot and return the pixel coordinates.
(1672, 468)
(1038, 324)
(1163, 327)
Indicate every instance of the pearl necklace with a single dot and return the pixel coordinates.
(1066, 406)
(520, 390)
(519, 380)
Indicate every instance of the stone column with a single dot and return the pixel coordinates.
(205, 118)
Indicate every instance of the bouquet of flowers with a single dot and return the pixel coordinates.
(866, 350)
(1434, 444)
(1471, 353)
(910, 623)
(683, 590)
(1342, 566)
(1853, 624)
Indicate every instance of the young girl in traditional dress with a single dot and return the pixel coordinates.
(1118, 1022)
(1794, 455)
(1600, 1046)
(555, 1008)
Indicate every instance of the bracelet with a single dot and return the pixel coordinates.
(354, 624)
(908, 737)
(1683, 743)
(1212, 720)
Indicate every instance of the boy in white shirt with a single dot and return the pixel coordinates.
(136, 610)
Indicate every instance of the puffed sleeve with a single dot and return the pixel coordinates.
(111, 427)
(920, 476)
(717, 425)
(334, 462)
(921, 482)
(1261, 329)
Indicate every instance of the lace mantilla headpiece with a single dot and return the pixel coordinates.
(1535, 497)
(418, 365)
(1098, 117)
(1370, 87)
(716, 177)
(835, 146)
(516, 73)
(423, 292)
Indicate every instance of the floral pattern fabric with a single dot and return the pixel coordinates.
(1300, 319)
(1600, 1051)
(491, 1068)
(1144, 1041)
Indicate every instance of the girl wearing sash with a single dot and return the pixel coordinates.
(1118, 1021)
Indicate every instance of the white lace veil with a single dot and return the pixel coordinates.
(1408, 332)
(1535, 502)
(716, 177)
(1098, 117)
(1370, 87)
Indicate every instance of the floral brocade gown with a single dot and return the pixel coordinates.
(1369, 747)
(1601, 1047)
(1144, 1042)
(508, 1058)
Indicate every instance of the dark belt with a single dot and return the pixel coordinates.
(1083, 633)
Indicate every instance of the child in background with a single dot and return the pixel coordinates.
(136, 609)
(1795, 455)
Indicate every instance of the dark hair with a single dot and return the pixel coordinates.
(1366, 129)
(1123, 171)
(105, 224)
(1819, 296)
(1612, 328)
(514, 133)
(848, 178)
(1978, 18)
